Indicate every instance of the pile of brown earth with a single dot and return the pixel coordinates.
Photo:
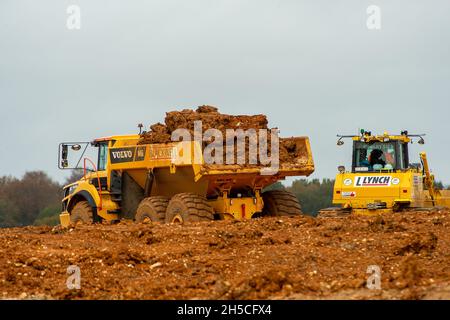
(266, 258)
(211, 118)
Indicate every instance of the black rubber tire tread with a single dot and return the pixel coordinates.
(190, 206)
(82, 213)
(281, 203)
(153, 208)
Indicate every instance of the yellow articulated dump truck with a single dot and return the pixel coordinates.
(164, 183)
(382, 179)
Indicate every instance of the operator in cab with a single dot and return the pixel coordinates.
(374, 161)
(375, 158)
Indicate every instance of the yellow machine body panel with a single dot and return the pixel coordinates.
(379, 190)
(443, 200)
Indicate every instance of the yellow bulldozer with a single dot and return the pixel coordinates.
(382, 179)
(162, 182)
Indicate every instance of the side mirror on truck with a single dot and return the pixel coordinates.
(63, 154)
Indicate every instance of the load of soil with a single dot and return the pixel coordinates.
(290, 151)
(267, 258)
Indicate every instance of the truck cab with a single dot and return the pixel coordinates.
(96, 192)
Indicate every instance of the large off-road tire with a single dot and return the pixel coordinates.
(280, 203)
(82, 213)
(188, 207)
(153, 209)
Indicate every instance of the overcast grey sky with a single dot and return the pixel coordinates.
(312, 66)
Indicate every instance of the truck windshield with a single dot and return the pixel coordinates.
(376, 156)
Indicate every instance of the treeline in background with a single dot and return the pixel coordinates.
(35, 199)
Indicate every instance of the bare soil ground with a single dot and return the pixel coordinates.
(269, 258)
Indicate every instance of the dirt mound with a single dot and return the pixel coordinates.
(210, 117)
(158, 134)
(269, 258)
(290, 151)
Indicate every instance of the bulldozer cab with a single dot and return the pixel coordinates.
(380, 153)
(380, 156)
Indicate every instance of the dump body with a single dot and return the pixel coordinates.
(182, 163)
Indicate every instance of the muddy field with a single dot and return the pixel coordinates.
(270, 258)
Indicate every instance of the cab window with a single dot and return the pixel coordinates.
(375, 156)
(102, 156)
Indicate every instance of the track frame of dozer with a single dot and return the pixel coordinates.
(171, 183)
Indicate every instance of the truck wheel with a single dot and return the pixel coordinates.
(153, 209)
(82, 213)
(280, 203)
(188, 207)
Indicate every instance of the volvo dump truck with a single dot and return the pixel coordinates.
(382, 179)
(162, 182)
